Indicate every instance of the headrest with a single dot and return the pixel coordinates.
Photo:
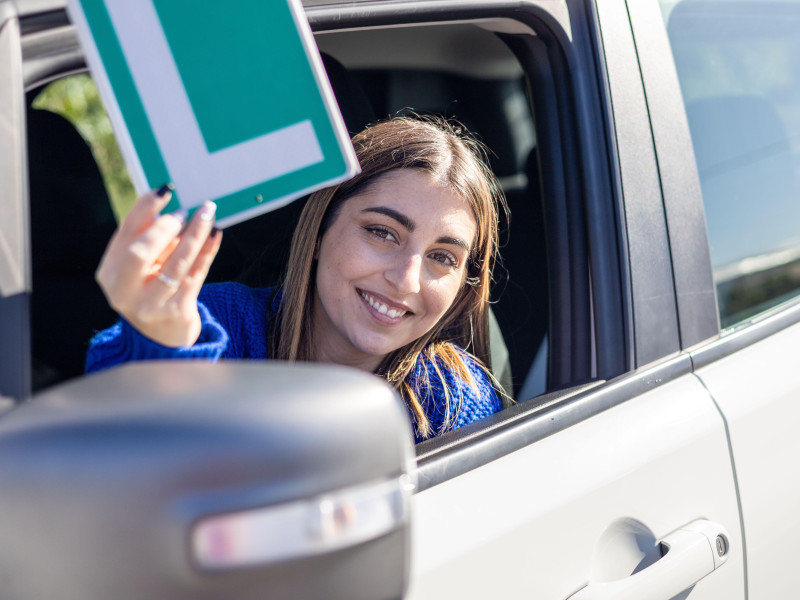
(353, 102)
(67, 195)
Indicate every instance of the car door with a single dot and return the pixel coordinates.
(737, 67)
(578, 493)
(587, 504)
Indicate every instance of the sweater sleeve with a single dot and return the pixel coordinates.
(477, 403)
(233, 321)
(466, 403)
(123, 343)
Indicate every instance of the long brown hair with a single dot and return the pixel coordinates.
(440, 148)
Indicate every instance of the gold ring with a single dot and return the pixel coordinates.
(168, 281)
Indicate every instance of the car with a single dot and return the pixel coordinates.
(647, 319)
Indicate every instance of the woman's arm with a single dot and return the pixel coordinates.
(123, 343)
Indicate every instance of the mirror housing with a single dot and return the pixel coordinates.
(181, 480)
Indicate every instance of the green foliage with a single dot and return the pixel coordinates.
(76, 98)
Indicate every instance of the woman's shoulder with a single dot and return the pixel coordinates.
(463, 396)
(480, 377)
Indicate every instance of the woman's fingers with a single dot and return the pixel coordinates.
(151, 244)
(145, 211)
(152, 272)
(142, 215)
(167, 251)
(176, 266)
(128, 267)
(129, 260)
(190, 287)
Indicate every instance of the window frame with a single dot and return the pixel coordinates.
(680, 182)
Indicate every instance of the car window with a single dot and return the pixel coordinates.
(73, 156)
(739, 68)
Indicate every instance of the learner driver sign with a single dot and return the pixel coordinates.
(230, 102)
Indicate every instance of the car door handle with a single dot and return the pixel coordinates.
(692, 552)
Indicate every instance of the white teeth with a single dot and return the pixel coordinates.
(382, 308)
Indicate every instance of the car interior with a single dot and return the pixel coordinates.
(460, 71)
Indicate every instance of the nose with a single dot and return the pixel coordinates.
(405, 273)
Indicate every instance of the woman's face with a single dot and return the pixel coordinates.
(389, 267)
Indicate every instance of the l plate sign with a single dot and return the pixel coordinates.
(229, 102)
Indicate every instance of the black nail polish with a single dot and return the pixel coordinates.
(164, 189)
(214, 232)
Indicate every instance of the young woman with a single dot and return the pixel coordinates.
(388, 272)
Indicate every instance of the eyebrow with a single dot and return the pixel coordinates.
(393, 214)
(410, 225)
(454, 241)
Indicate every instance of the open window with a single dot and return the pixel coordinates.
(557, 295)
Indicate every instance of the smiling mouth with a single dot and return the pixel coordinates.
(393, 313)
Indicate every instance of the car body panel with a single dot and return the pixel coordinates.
(762, 423)
(530, 524)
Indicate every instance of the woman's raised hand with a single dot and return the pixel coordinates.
(153, 268)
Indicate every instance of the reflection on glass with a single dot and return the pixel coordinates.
(739, 68)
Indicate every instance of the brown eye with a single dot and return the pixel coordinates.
(444, 258)
(381, 232)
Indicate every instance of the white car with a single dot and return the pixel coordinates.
(648, 328)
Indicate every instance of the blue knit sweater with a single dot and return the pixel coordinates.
(235, 321)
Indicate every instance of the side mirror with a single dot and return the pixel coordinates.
(187, 480)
